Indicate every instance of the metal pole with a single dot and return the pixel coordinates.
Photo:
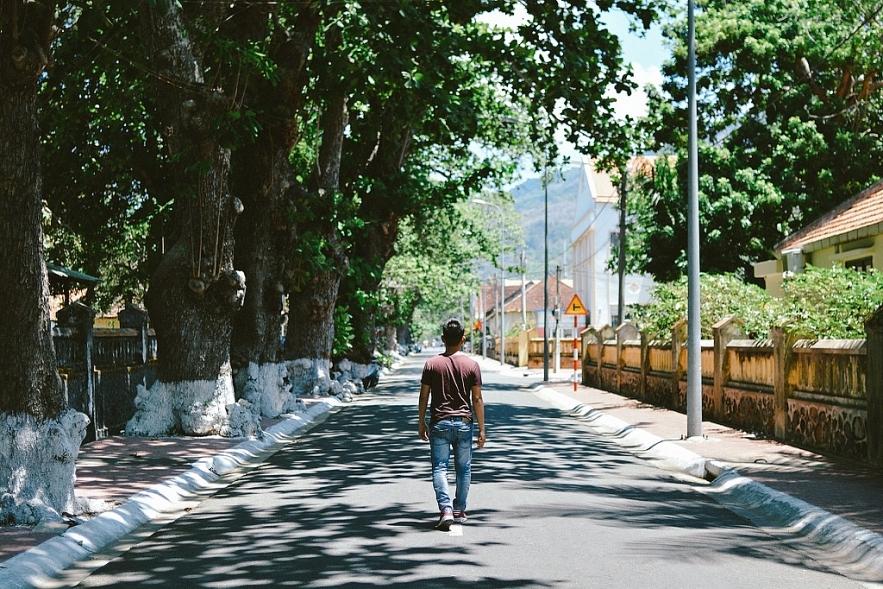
(473, 311)
(575, 351)
(557, 364)
(502, 296)
(694, 343)
(483, 319)
(523, 290)
(546, 277)
(620, 305)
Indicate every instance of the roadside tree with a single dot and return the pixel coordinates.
(789, 121)
(195, 291)
(454, 82)
(39, 437)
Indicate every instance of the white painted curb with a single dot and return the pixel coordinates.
(857, 549)
(41, 563)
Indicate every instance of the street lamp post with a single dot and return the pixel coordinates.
(482, 202)
(694, 344)
(623, 196)
(546, 273)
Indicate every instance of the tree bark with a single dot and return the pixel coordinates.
(310, 336)
(376, 248)
(195, 292)
(264, 180)
(383, 163)
(39, 438)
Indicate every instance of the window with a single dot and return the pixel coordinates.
(860, 264)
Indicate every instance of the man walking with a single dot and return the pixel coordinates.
(453, 382)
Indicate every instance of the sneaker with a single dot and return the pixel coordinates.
(459, 516)
(445, 520)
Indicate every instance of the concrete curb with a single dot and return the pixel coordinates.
(42, 562)
(856, 550)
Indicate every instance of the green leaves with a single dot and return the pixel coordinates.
(720, 296)
(819, 303)
(789, 121)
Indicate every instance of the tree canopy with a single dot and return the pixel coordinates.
(789, 109)
(440, 104)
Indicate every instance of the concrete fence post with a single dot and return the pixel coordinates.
(783, 349)
(80, 318)
(678, 338)
(723, 332)
(645, 364)
(624, 332)
(874, 385)
(605, 334)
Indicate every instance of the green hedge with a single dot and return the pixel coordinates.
(819, 303)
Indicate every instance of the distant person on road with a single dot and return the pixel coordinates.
(451, 386)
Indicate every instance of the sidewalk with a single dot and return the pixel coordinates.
(142, 480)
(796, 494)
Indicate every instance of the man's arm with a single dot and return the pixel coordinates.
(478, 411)
(421, 411)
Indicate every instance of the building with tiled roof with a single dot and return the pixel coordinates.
(593, 236)
(849, 235)
(524, 301)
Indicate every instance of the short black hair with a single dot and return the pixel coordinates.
(452, 331)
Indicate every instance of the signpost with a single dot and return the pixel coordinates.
(575, 308)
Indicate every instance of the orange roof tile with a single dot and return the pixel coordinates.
(858, 217)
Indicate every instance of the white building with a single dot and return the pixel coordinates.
(594, 236)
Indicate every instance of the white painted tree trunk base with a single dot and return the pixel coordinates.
(267, 388)
(38, 466)
(353, 372)
(194, 408)
(311, 377)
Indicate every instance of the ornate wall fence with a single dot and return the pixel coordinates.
(527, 349)
(101, 368)
(811, 393)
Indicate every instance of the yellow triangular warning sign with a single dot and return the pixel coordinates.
(576, 307)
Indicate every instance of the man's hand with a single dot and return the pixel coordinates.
(481, 439)
(423, 431)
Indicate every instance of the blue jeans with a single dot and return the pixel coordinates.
(443, 436)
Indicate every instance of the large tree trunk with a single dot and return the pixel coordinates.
(313, 296)
(39, 438)
(256, 347)
(195, 292)
(310, 336)
(265, 182)
(376, 247)
(382, 161)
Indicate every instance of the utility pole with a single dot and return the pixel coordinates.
(523, 290)
(483, 318)
(557, 316)
(546, 276)
(623, 189)
(694, 343)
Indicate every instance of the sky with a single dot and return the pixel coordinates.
(646, 55)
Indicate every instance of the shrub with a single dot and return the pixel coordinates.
(720, 295)
(830, 303)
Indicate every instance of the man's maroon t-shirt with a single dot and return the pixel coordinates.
(450, 380)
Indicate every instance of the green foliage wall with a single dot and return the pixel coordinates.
(820, 303)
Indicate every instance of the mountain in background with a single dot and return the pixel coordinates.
(529, 199)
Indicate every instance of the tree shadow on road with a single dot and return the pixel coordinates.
(328, 510)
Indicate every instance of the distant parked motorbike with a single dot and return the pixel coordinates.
(373, 377)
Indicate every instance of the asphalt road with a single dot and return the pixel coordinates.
(350, 504)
